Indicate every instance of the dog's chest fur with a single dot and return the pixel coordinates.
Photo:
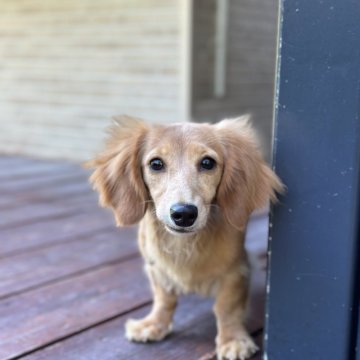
(191, 263)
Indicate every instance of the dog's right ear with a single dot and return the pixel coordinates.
(118, 176)
(247, 183)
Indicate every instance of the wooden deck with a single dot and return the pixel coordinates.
(69, 279)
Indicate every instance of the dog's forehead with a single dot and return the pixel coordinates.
(180, 137)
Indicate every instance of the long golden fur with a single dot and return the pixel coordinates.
(209, 258)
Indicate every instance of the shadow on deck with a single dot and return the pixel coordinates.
(69, 278)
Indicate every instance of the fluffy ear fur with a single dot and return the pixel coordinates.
(247, 182)
(117, 176)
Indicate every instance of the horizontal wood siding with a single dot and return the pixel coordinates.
(251, 56)
(68, 66)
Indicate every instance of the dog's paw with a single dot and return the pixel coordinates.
(145, 330)
(238, 349)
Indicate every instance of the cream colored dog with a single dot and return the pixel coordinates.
(193, 188)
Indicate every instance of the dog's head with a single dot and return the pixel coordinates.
(182, 172)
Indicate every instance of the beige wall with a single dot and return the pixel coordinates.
(250, 65)
(67, 66)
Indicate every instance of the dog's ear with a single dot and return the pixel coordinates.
(118, 176)
(247, 181)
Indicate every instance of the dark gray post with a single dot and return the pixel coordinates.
(357, 346)
(312, 309)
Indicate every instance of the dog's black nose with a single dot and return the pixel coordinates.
(183, 215)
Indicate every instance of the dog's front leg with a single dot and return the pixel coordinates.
(232, 341)
(157, 324)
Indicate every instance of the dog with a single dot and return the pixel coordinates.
(192, 187)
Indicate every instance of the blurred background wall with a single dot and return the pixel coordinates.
(67, 66)
(249, 42)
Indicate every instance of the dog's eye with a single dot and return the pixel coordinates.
(207, 163)
(156, 164)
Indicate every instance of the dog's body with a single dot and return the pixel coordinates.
(193, 188)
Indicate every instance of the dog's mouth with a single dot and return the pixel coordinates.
(179, 230)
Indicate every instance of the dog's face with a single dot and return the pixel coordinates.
(182, 167)
(183, 171)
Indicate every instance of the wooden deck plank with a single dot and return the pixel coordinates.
(51, 231)
(58, 194)
(36, 318)
(19, 160)
(35, 268)
(29, 213)
(77, 187)
(11, 218)
(26, 168)
(51, 179)
(193, 335)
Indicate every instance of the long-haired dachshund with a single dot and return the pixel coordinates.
(192, 187)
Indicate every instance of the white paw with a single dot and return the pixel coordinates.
(238, 349)
(145, 330)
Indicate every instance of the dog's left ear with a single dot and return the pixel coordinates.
(247, 182)
(117, 176)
